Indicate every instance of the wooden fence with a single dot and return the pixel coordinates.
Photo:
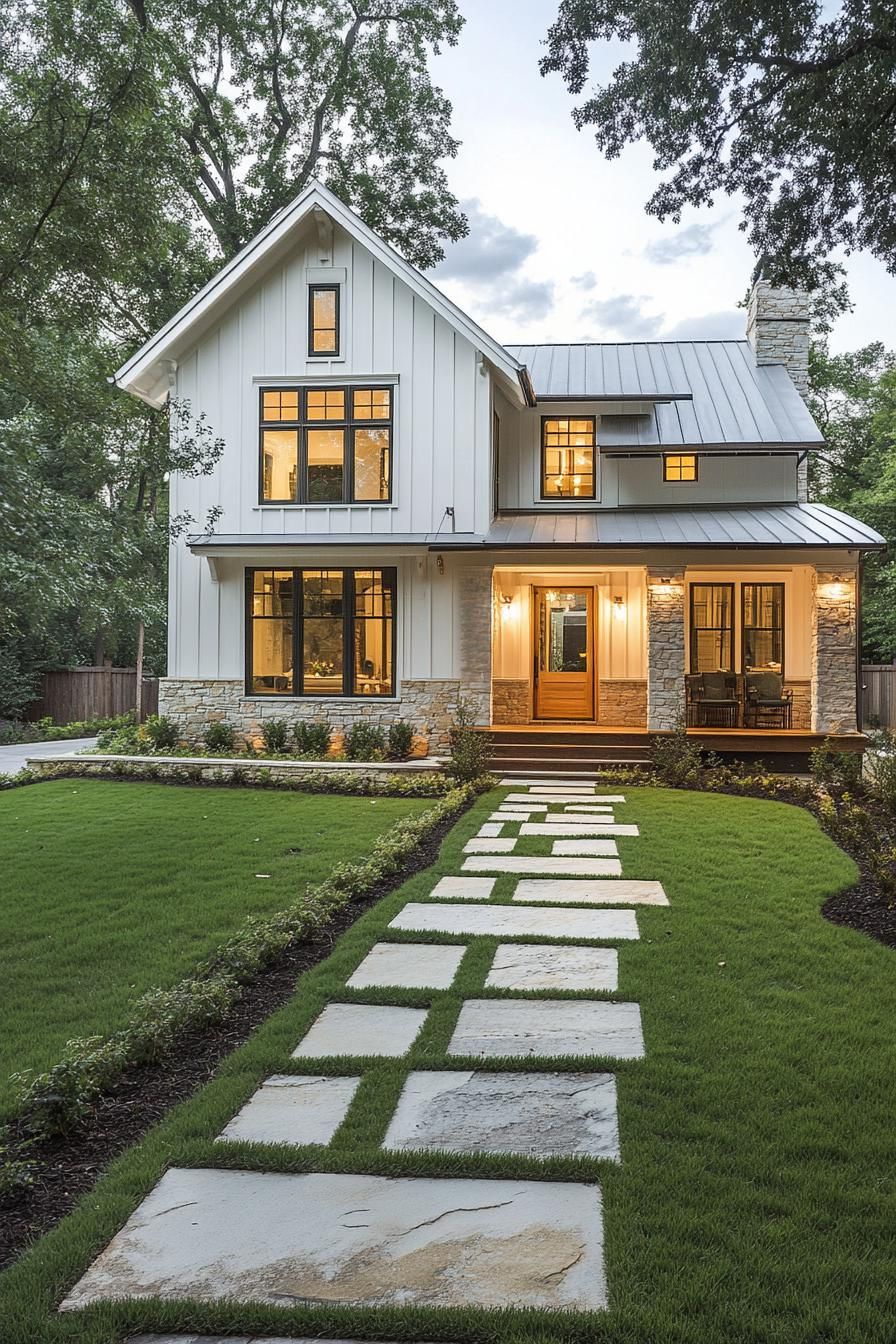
(78, 693)
(879, 695)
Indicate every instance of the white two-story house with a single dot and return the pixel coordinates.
(595, 538)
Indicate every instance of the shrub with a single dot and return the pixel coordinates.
(470, 749)
(276, 736)
(219, 737)
(162, 732)
(676, 758)
(365, 742)
(129, 740)
(880, 766)
(311, 739)
(835, 770)
(401, 738)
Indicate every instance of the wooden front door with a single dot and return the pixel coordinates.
(564, 654)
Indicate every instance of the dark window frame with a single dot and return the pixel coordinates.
(328, 287)
(743, 623)
(720, 629)
(676, 480)
(348, 424)
(349, 599)
(569, 499)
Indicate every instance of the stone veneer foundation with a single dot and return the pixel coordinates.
(622, 704)
(428, 706)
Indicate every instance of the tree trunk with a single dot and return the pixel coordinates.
(138, 699)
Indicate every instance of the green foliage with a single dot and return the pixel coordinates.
(471, 749)
(311, 740)
(219, 737)
(365, 742)
(763, 101)
(853, 399)
(880, 766)
(162, 732)
(676, 758)
(400, 741)
(45, 730)
(276, 736)
(834, 769)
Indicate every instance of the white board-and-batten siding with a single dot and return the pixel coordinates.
(440, 450)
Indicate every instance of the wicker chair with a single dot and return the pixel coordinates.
(767, 704)
(712, 700)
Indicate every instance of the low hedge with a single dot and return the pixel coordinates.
(352, 782)
(51, 1103)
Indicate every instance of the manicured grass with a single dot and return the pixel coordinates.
(110, 888)
(755, 1200)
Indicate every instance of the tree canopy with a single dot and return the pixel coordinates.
(143, 143)
(791, 105)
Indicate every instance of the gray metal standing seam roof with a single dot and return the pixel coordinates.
(705, 392)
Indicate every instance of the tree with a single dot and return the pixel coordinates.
(144, 142)
(853, 399)
(791, 105)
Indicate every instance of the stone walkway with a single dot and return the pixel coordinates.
(363, 1240)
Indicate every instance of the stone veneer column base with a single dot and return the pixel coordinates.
(428, 706)
(622, 704)
(510, 700)
(802, 704)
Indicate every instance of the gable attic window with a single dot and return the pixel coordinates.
(567, 457)
(326, 445)
(323, 320)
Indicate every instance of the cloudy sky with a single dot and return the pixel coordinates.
(560, 248)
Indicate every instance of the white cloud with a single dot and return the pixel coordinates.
(524, 300)
(587, 280)
(727, 325)
(623, 316)
(694, 241)
(491, 248)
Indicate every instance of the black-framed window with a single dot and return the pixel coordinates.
(567, 456)
(325, 445)
(320, 632)
(712, 627)
(762, 627)
(323, 320)
(680, 467)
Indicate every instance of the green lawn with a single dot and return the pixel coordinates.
(755, 1201)
(110, 888)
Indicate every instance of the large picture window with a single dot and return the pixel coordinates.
(567, 457)
(320, 632)
(328, 445)
(763, 627)
(712, 627)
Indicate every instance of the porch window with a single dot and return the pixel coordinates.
(763, 627)
(323, 320)
(320, 632)
(679, 467)
(330, 445)
(567, 457)
(712, 627)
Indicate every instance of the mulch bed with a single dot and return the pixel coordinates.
(66, 1168)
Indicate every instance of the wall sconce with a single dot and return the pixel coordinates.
(837, 587)
(507, 598)
(440, 564)
(619, 608)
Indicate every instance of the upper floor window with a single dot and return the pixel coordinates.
(331, 445)
(679, 466)
(323, 320)
(567, 457)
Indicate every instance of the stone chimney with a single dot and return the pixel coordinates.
(778, 330)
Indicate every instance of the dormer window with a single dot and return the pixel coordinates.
(323, 320)
(567, 457)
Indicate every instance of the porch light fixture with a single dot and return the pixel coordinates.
(619, 608)
(507, 599)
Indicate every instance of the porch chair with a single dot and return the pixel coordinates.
(767, 704)
(712, 700)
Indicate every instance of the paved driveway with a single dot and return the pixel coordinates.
(12, 759)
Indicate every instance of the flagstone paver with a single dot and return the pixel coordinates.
(605, 845)
(491, 828)
(586, 807)
(492, 1028)
(545, 867)
(283, 1239)
(601, 891)
(504, 817)
(292, 1108)
(362, 1029)
(533, 966)
(583, 818)
(464, 888)
(536, 1114)
(616, 828)
(516, 921)
(539, 783)
(571, 848)
(540, 796)
(409, 965)
(480, 846)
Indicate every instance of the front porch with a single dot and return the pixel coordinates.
(602, 657)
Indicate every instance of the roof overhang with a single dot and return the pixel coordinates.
(148, 373)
